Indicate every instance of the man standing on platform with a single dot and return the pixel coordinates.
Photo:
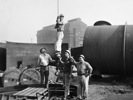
(43, 61)
(68, 66)
(60, 35)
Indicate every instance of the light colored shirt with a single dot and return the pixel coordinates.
(44, 59)
(83, 68)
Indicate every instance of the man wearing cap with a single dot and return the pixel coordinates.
(43, 61)
(60, 35)
(84, 70)
(59, 66)
(68, 66)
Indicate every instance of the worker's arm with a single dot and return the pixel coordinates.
(74, 62)
(51, 60)
(89, 69)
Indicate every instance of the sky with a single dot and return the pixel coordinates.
(21, 19)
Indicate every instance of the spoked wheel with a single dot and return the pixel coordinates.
(11, 77)
(30, 76)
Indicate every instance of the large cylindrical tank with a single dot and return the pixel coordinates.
(109, 49)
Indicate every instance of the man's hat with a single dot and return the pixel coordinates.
(42, 49)
(82, 56)
(61, 15)
(68, 51)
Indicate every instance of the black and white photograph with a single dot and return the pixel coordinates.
(66, 50)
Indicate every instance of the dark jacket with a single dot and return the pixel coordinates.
(68, 65)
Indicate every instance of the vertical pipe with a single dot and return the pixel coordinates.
(124, 66)
(57, 7)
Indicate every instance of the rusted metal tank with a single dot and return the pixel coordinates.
(109, 49)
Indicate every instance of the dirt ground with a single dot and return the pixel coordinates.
(111, 88)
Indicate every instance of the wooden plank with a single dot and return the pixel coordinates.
(23, 91)
(26, 92)
(20, 91)
(32, 91)
(41, 90)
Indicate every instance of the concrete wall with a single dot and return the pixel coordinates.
(27, 53)
(76, 29)
(2, 45)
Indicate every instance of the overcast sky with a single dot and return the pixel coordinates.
(21, 19)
